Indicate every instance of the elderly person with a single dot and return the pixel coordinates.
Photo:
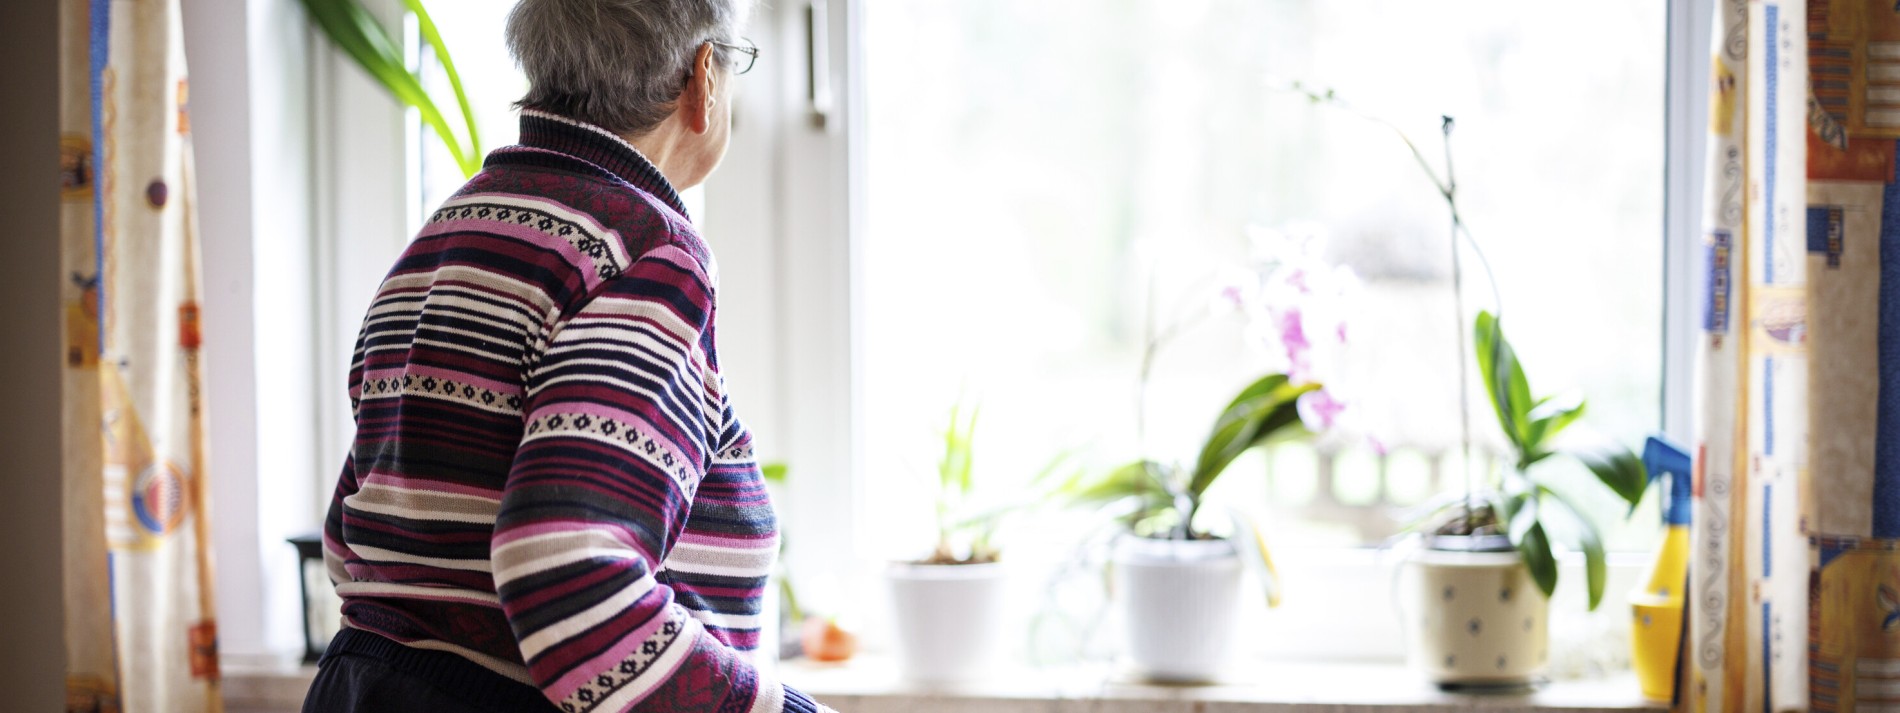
(550, 504)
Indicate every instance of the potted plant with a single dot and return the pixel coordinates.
(948, 607)
(1176, 565)
(1176, 579)
(1482, 581)
(1483, 578)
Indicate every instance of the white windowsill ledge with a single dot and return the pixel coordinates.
(871, 685)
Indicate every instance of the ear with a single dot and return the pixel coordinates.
(696, 101)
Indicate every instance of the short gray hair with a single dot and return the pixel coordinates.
(617, 64)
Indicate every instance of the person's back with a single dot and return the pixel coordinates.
(547, 479)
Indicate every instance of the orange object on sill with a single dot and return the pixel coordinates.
(825, 641)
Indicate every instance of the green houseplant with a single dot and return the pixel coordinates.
(356, 31)
(948, 606)
(1487, 570)
(1176, 581)
(1177, 563)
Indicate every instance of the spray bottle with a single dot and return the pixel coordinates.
(1656, 631)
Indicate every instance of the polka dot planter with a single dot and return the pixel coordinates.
(1475, 619)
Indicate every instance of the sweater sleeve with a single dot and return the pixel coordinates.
(622, 410)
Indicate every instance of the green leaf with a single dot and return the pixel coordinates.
(1137, 479)
(1256, 414)
(774, 472)
(1621, 471)
(1595, 565)
(1505, 383)
(1550, 417)
(429, 34)
(361, 36)
(956, 467)
(1534, 547)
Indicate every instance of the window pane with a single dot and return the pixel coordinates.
(1033, 168)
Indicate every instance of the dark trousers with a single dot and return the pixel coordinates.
(365, 673)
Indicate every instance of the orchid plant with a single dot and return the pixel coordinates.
(1515, 504)
(1294, 305)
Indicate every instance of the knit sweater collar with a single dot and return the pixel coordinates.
(600, 149)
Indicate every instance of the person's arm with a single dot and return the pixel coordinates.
(621, 410)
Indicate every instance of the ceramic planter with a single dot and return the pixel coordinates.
(1476, 618)
(948, 620)
(1179, 603)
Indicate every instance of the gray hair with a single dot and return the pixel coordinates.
(617, 64)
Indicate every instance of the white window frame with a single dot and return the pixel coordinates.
(785, 218)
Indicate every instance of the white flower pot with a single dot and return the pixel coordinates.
(1179, 603)
(1476, 619)
(949, 620)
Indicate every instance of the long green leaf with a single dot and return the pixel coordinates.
(1504, 380)
(354, 30)
(1259, 412)
(1135, 479)
(1549, 418)
(1595, 563)
(1534, 549)
(434, 38)
(1621, 471)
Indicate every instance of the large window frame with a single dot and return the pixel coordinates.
(785, 217)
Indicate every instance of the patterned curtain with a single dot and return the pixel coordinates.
(140, 630)
(1795, 576)
(1748, 588)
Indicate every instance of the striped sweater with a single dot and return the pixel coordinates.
(547, 477)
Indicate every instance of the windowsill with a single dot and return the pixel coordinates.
(870, 685)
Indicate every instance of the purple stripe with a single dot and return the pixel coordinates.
(98, 48)
(1771, 136)
(1887, 417)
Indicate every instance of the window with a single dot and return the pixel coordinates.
(1000, 183)
(1032, 167)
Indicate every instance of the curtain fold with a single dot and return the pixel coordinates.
(141, 633)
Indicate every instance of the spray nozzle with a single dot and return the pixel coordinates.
(1662, 457)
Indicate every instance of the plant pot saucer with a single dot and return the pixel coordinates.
(1469, 543)
(1497, 688)
(1127, 671)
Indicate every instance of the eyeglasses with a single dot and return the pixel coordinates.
(751, 52)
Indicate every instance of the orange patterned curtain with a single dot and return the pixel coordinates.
(140, 630)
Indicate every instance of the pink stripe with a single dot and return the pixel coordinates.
(611, 658)
(582, 217)
(460, 377)
(589, 277)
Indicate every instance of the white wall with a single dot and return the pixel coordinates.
(250, 109)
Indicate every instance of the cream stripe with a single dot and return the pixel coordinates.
(536, 553)
(771, 695)
(691, 567)
(378, 553)
(350, 589)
